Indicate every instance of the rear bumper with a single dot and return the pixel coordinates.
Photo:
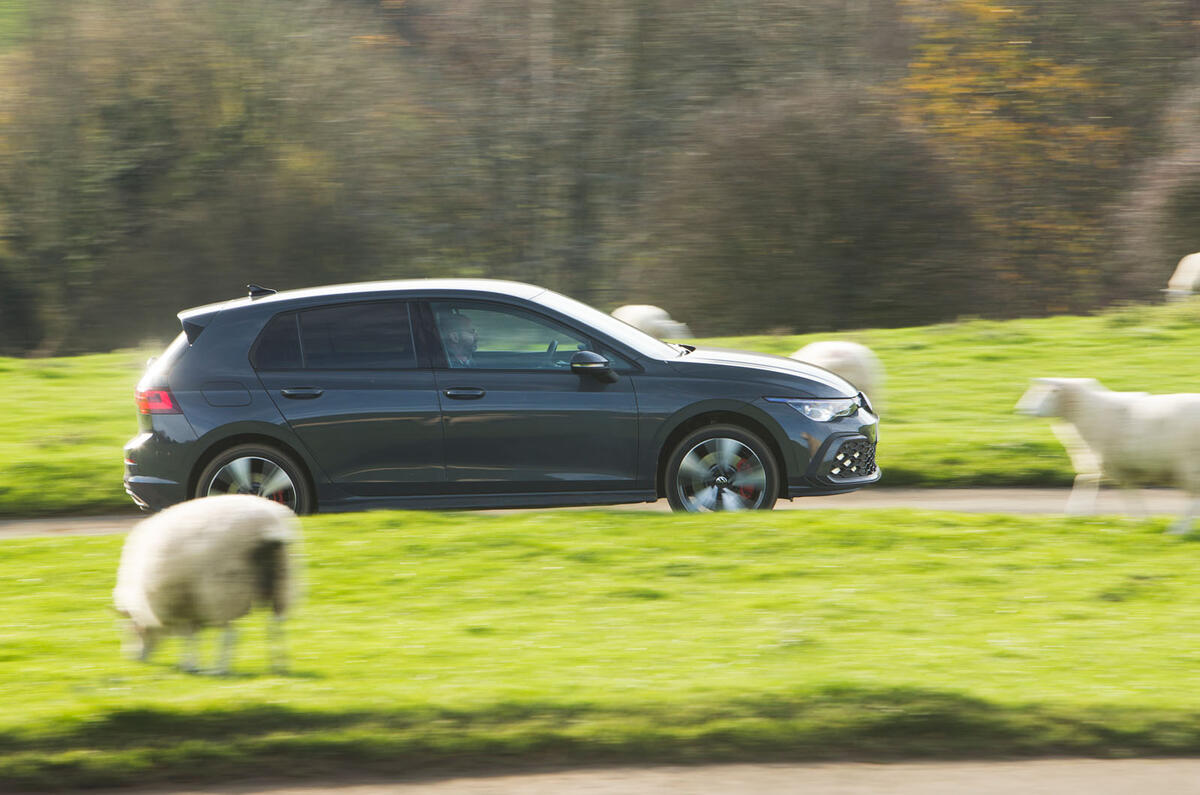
(153, 494)
(148, 492)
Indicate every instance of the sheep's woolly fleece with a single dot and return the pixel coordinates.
(192, 564)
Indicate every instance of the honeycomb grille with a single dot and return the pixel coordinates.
(855, 459)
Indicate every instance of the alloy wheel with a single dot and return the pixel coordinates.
(721, 474)
(254, 475)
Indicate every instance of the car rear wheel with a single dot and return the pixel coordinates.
(722, 468)
(257, 469)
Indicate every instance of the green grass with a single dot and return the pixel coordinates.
(14, 22)
(947, 410)
(455, 641)
(62, 425)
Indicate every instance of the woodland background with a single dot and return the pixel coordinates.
(750, 165)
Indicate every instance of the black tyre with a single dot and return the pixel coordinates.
(722, 468)
(257, 469)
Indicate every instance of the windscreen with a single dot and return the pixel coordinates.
(618, 330)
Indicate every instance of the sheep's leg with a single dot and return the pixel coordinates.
(1082, 500)
(1087, 468)
(1183, 525)
(190, 660)
(278, 646)
(225, 661)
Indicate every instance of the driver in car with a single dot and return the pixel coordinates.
(461, 340)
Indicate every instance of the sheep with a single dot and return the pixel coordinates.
(1186, 279)
(205, 563)
(857, 363)
(1130, 438)
(653, 320)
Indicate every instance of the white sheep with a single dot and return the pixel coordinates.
(206, 563)
(1130, 438)
(653, 320)
(1186, 279)
(856, 363)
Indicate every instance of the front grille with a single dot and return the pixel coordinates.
(854, 459)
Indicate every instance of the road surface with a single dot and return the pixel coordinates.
(1035, 777)
(1026, 501)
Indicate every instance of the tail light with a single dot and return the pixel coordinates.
(156, 401)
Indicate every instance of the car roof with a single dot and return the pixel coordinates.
(488, 286)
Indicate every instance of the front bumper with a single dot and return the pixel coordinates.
(828, 457)
(845, 462)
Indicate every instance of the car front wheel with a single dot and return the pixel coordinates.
(722, 468)
(257, 469)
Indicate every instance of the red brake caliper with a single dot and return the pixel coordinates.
(747, 492)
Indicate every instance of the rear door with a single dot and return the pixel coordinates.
(350, 382)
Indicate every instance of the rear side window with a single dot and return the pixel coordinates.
(366, 336)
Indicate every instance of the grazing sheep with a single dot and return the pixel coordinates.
(857, 363)
(1130, 438)
(653, 320)
(1186, 279)
(206, 563)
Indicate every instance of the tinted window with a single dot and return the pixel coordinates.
(367, 336)
(279, 345)
(492, 337)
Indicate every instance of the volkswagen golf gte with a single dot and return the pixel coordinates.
(474, 393)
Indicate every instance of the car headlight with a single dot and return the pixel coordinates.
(822, 409)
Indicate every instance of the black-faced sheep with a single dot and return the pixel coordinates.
(1130, 438)
(857, 363)
(206, 563)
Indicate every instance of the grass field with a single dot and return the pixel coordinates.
(437, 641)
(947, 414)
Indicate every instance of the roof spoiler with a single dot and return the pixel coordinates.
(257, 291)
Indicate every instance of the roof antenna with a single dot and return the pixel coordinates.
(257, 291)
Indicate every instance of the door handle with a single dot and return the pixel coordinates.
(302, 392)
(464, 393)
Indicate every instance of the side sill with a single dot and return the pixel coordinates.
(486, 501)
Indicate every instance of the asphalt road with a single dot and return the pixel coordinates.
(1036, 777)
(1025, 501)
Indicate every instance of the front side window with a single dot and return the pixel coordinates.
(494, 337)
(364, 336)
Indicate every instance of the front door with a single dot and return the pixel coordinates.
(515, 418)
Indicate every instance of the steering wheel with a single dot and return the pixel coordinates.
(551, 348)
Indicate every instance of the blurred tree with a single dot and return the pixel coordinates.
(810, 210)
(1161, 213)
(1030, 131)
(160, 155)
(567, 108)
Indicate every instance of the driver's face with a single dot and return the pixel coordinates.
(464, 338)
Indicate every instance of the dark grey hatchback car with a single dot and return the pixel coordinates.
(478, 393)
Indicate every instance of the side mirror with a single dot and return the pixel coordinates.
(593, 364)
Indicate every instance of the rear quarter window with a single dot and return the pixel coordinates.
(278, 347)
